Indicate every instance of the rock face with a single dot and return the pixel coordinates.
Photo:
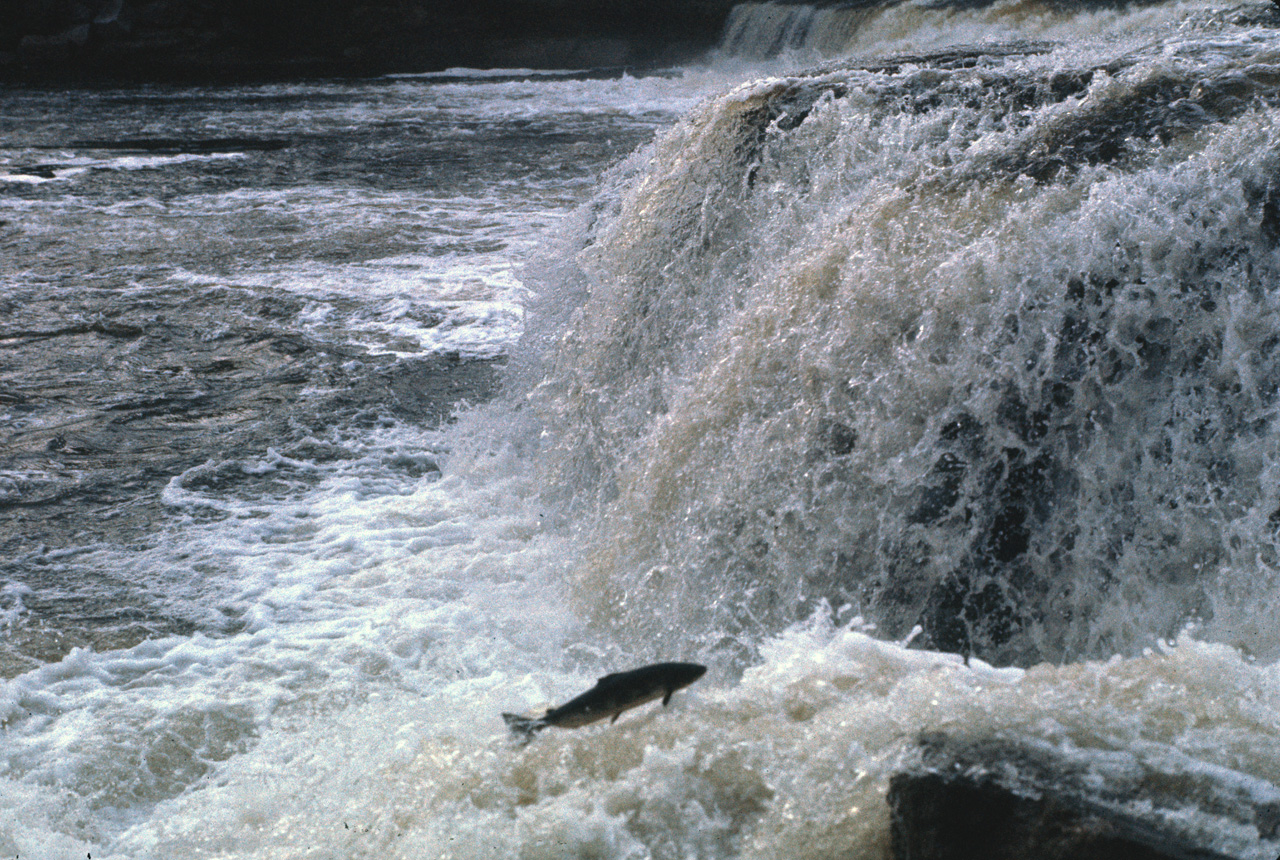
(997, 799)
(208, 39)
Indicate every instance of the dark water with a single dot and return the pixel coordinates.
(149, 324)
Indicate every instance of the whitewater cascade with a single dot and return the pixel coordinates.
(982, 341)
(763, 30)
(802, 34)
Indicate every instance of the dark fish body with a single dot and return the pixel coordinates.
(612, 695)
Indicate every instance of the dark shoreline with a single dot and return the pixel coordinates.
(189, 41)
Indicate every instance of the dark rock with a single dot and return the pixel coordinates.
(997, 799)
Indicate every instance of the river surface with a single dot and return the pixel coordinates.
(234, 291)
(916, 368)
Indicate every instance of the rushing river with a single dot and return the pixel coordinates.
(915, 368)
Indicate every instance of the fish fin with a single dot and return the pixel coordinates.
(667, 698)
(524, 726)
(615, 718)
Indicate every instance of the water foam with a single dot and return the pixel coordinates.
(798, 35)
(372, 589)
(792, 761)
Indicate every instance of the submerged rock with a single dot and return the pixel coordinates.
(994, 798)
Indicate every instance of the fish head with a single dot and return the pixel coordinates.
(681, 675)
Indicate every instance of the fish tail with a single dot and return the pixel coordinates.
(524, 726)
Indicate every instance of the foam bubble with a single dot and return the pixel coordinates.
(793, 760)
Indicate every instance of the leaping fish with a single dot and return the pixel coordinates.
(612, 695)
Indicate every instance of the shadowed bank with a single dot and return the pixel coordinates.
(200, 39)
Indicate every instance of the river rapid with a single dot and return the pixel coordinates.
(915, 367)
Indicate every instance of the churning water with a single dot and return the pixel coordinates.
(936, 387)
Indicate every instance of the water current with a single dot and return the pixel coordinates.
(914, 367)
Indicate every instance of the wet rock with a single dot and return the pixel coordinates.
(995, 798)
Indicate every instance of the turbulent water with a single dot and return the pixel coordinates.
(916, 367)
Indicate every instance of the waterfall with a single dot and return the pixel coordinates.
(760, 30)
(980, 342)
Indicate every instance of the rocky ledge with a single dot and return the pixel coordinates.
(998, 799)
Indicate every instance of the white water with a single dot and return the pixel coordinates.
(650, 489)
(802, 35)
